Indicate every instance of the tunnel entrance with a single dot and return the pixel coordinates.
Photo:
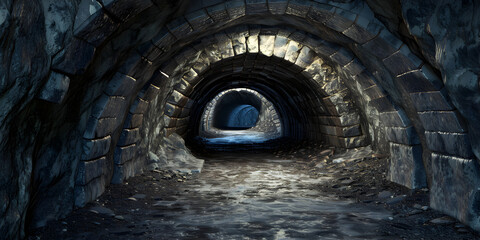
(129, 82)
(239, 117)
(303, 107)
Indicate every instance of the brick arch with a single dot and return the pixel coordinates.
(353, 21)
(404, 142)
(180, 99)
(411, 83)
(207, 125)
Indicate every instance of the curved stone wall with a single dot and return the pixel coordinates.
(84, 104)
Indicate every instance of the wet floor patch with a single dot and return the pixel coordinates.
(260, 196)
(263, 198)
(226, 137)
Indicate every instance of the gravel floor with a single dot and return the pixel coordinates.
(306, 193)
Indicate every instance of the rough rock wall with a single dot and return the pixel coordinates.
(31, 32)
(41, 123)
(37, 137)
(446, 34)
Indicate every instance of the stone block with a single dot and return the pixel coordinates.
(345, 120)
(456, 144)
(185, 112)
(379, 47)
(256, 7)
(431, 101)
(415, 81)
(124, 153)
(365, 79)
(277, 7)
(390, 39)
(97, 28)
(333, 86)
(267, 44)
(293, 49)
(177, 98)
(402, 61)
(280, 46)
(382, 104)
(326, 49)
(189, 103)
(179, 27)
(353, 142)
(305, 58)
(226, 48)
(354, 67)
(124, 9)
(350, 131)
(252, 44)
(55, 89)
(95, 148)
(164, 40)
(341, 20)
(136, 67)
(235, 8)
(86, 12)
(75, 58)
(128, 137)
(337, 105)
(428, 73)
(109, 107)
(184, 87)
(218, 13)
(151, 93)
(150, 51)
(297, 36)
(191, 75)
(86, 193)
(186, 55)
(239, 45)
(127, 170)
(89, 170)
(172, 110)
(99, 128)
(199, 20)
(402, 135)
(406, 166)
(139, 106)
(342, 57)
(374, 91)
(169, 68)
(169, 121)
(120, 85)
(442, 121)
(298, 8)
(320, 13)
(133, 121)
(455, 188)
(363, 30)
(395, 119)
(181, 122)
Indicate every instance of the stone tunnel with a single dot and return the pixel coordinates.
(90, 90)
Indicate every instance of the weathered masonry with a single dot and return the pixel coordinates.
(89, 89)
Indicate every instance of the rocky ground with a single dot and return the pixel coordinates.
(303, 193)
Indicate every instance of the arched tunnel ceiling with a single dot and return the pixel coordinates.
(124, 63)
(403, 76)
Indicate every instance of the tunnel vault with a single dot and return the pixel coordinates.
(332, 70)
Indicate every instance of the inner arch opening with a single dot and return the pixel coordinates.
(239, 116)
